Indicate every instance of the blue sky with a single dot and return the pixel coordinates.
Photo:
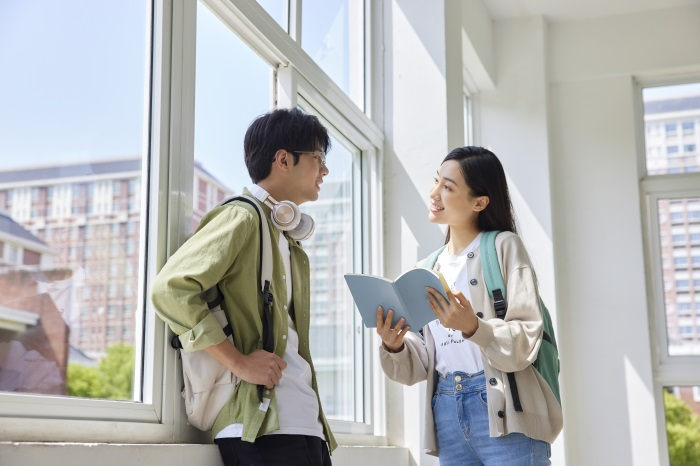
(76, 86)
(53, 107)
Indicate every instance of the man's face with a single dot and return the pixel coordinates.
(307, 175)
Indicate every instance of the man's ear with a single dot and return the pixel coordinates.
(283, 160)
(481, 203)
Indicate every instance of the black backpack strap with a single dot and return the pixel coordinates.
(268, 335)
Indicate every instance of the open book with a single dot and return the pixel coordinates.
(406, 296)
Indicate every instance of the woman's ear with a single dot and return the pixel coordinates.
(481, 202)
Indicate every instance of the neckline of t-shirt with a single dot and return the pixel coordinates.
(470, 248)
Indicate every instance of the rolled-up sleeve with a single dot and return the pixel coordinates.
(199, 264)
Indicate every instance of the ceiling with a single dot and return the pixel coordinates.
(566, 10)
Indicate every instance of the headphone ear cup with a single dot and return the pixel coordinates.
(304, 229)
(285, 215)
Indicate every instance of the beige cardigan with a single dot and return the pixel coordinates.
(508, 345)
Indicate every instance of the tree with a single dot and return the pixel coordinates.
(112, 379)
(683, 432)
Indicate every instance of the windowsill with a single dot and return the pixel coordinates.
(79, 454)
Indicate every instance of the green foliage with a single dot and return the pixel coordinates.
(683, 431)
(112, 378)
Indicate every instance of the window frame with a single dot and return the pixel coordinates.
(53, 418)
(166, 194)
(668, 371)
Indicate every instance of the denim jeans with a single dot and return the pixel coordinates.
(462, 424)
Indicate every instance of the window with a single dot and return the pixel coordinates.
(680, 261)
(201, 124)
(226, 103)
(79, 79)
(332, 33)
(279, 10)
(671, 210)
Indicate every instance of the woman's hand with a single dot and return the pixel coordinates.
(457, 313)
(392, 338)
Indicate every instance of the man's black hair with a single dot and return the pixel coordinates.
(288, 129)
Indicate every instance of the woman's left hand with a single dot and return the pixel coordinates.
(457, 313)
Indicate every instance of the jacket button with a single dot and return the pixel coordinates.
(501, 414)
(492, 381)
(473, 281)
(470, 255)
(480, 315)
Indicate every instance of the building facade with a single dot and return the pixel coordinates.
(89, 216)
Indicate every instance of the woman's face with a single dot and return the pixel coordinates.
(451, 201)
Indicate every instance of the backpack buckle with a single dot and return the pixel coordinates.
(499, 304)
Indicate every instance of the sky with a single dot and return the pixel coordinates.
(77, 88)
(71, 87)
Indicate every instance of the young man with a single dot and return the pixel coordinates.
(285, 156)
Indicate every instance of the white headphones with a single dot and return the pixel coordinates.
(287, 217)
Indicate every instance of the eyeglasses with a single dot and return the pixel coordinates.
(319, 155)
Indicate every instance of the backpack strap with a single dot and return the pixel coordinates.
(493, 278)
(492, 272)
(266, 267)
(429, 262)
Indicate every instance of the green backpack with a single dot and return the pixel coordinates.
(547, 362)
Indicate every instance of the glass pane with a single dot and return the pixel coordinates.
(679, 230)
(682, 407)
(227, 101)
(279, 10)
(71, 138)
(332, 33)
(672, 128)
(330, 252)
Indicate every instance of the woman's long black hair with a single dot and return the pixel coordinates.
(485, 176)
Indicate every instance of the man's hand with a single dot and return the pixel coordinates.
(259, 367)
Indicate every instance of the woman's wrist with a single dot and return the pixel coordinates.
(391, 350)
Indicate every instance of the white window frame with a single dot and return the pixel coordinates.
(167, 195)
(668, 371)
(64, 419)
(296, 74)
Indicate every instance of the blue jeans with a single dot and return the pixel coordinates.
(462, 424)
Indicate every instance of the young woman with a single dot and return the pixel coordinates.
(467, 352)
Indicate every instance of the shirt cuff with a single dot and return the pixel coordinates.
(206, 333)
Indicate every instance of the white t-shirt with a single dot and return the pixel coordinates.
(452, 351)
(297, 404)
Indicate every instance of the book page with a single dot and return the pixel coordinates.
(369, 292)
(411, 286)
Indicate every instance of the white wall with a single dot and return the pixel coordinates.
(514, 125)
(562, 120)
(603, 320)
(416, 129)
